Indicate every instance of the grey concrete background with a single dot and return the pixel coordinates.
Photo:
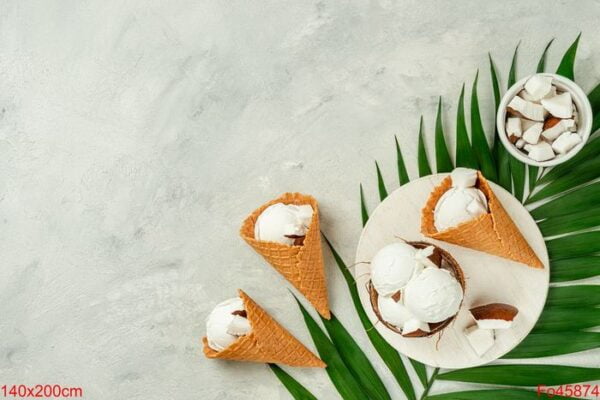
(135, 136)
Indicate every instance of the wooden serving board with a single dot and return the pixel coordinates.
(490, 279)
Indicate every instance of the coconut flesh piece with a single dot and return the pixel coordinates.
(541, 151)
(481, 340)
(554, 131)
(561, 106)
(513, 128)
(520, 143)
(414, 325)
(566, 142)
(538, 86)
(494, 315)
(532, 135)
(527, 109)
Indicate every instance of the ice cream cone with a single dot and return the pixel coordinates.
(301, 265)
(494, 233)
(267, 342)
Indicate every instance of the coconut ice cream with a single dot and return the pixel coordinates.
(283, 223)
(410, 290)
(226, 323)
(433, 296)
(462, 203)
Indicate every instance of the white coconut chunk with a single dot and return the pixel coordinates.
(538, 86)
(562, 126)
(527, 123)
(561, 106)
(527, 97)
(527, 147)
(513, 127)
(520, 143)
(541, 151)
(532, 135)
(527, 109)
(413, 325)
(481, 340)
(566, 142)
(551, 93)
(494, 324)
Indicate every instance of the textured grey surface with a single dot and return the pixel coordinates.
(135, 136)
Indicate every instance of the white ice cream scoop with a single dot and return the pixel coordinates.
(392, 267)
(393, 312)
(226, 323)
(462, 202)
(283, 223)
(433, 296)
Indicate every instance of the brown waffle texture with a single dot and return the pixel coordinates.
(494, 233)
(301, 265)
(267, 342)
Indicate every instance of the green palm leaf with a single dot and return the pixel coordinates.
(517, 168)
(442, 156)
(570, 269)
(341, 377)
(542, 63)
(567, 64)
(553, 344)
(500, 153)
(388, 354)
(424, 168)
(493, 394)
(464, 153)
(594, 97)
(355, 359)
(363, 207)
(421, 371)
(402, 174)
(523, 375)
(533, 173)
(570, 223)
(575, 245)
(589, 151)
(583, 198)
(567, 319)
(380, 184)
(297, 391)
(574, 296)
(480, 144)
(583, 173)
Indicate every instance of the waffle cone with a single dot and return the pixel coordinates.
(494, 233)
(302, 265)
(267, 342)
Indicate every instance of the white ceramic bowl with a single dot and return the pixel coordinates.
(584, 126)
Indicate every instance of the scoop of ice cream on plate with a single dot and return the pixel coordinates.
(463, 209)
(286, 232)
(239, 329)
(416, 288)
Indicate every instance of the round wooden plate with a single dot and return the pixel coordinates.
(490, 279)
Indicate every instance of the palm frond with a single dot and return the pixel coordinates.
(464, 152)
(442, 156)
(422, 160)
(480, 144)
(566, 67)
